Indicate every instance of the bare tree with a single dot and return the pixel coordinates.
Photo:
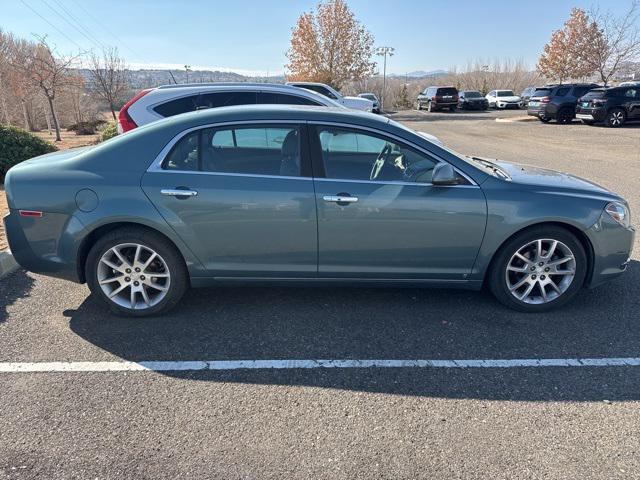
(330, 46)
(618, 41)
(49, 72)
(110, 77)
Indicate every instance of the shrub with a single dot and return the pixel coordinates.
(86, 128)
(109, 132)
(17, 145)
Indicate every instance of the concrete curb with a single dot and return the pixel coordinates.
(516, 119)
(7, 263)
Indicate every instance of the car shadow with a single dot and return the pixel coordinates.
(13, 287)
(388, 323)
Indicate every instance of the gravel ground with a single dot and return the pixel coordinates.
(521, 423)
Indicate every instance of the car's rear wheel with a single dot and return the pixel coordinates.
(136, 272)
(430, 107)
(539, 269)
(615, 118)
(564, 116)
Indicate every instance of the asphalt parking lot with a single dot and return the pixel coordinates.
(572, 421)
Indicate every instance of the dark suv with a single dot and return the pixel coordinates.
(557, 102)
(611, 106)
(438, 98)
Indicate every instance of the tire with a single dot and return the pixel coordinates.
(500, 279)
(430, 107)
(588, 122)
(161, 291)
(615, 118)
(564, 116)
(419, 105)
(544, 119)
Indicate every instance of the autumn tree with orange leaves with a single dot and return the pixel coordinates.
(330, 46)
(568, 53)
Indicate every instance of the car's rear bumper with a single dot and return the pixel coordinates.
(591, 114)
(44, 244)
(612, 247)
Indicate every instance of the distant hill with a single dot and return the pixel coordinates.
(154, 77)
(422, 73)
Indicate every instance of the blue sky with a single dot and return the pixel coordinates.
(253, 35)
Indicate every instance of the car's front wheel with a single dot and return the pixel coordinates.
(136, 272)
(539, 269)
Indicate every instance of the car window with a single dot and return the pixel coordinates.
(580, 91)
(447, 91)
(631, 92)
(561, 92)
(184, 154)
(541, 92)
(251, 150)
(284, 99)
(349, 154)
(205, 100)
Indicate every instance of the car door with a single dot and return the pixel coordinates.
(241, 197)
(632, 100)
(379, 216)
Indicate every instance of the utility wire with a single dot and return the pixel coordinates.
(51, 24)
(78, 22)
(70, 24)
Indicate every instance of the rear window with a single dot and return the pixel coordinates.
(598, 94)
(541, 92)
(561, 92)
(204, 100)
(447, 91)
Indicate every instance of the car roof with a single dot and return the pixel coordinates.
(223, 84)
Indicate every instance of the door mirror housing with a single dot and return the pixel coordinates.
(444, 174)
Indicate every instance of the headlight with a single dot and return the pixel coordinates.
(619, 212)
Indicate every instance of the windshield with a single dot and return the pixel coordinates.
(472, 94)
(505, 93)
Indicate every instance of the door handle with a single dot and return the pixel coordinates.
(340, 199)
(176, 192)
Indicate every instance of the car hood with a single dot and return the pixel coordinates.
(514, 98)
(531, 175)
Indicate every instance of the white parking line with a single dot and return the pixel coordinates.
(169, 366)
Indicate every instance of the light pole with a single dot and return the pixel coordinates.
(383, 52)
(187, 68)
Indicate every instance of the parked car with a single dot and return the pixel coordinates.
(154, 104)
(611, 106)
(306, 196)
(438, 98)
(374, 99)
(557, 102)
(472, 100)
(503, 99)
(355, 103)
(525, 95)
(631, 83)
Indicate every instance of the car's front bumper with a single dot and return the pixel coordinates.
(500, 104)
(612, 247)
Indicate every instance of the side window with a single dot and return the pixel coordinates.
(354, 155)
(561, 92)
(184, 154)
(205, 100)
(580, 91)
(631, 92)
(252, 150)
(284, 99)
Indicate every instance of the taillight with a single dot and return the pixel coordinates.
(433, 98)
(545, 100)
(124, 119)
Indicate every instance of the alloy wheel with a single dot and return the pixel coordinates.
(616, 118)
(133, 276)
(540, 271)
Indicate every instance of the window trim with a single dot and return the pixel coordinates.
(152, 108)
(305, 160)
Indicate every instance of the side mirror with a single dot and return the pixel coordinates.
(444, 174)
